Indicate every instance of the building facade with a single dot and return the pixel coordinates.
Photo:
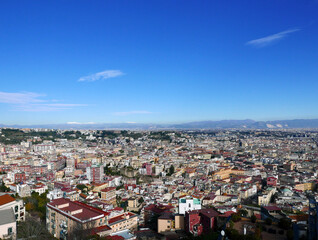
(188, 204)
(8, 202)
(95, 173)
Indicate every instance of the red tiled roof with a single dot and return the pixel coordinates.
(86, 213)
(115, 237)
(120, 217)
(100, 229)
(116, 219)
(272, 208)
(227, 214)
(116, 209)
(158, 208)
(108, 189)
(303, 217)
(209, 212)
(4, 199)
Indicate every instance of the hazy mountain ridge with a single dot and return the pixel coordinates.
(222, 124)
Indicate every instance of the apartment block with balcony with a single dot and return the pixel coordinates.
(8, 202)
(64, 217)
(108, 195)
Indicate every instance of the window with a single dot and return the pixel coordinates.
(16, 208)
(9, 230)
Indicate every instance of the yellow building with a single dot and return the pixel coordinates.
(100, 186)
(133, 204)
(169, 222)
(225, 173)
(305, 186)
(108, 195)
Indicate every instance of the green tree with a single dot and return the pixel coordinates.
(243, 212)
(3, 188)
(236, 217)
(231, 224)
(81, 187)
(36, 204)
(284, 223)
(253, 218)
(268, 221)
(171, 170)
(290, 234)
(258, 233)
(32, 229)
(233, 234)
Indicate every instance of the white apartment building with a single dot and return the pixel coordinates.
(8, 202)
(55, 194)
(188, 204)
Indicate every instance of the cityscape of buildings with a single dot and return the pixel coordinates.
(159, 120)
(98, 184)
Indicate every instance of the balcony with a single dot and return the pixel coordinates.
(9, 236)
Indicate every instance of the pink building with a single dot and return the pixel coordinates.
(148, 167)
(19, 177)
(8, 225)
(271, 181)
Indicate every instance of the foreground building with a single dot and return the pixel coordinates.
(8, 224)
(8, 202)
(200, 221)
(66, 218)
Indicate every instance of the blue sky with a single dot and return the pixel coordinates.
(157, 61)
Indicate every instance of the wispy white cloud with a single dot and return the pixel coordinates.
(20, 98)
(78, 123)
(265, 41)
(46, 107)
(101, 75)
(33, 102)
(131, 113)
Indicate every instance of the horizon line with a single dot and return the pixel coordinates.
(71, 123)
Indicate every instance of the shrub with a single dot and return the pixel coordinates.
(273, 231)
(243, 212)
(268, 221)
(284, 223)
(253, 219)
(290, 234)
(236, 217)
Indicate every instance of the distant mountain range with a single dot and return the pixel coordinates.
(223, 124)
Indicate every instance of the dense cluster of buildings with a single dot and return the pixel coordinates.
(151, 185)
